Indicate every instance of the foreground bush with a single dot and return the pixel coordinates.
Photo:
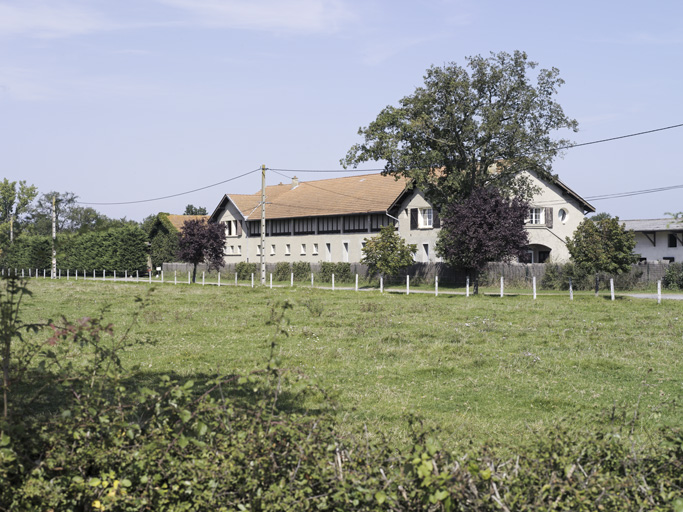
(83, 434)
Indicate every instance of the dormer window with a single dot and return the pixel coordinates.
(426, 218)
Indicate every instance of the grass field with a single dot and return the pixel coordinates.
(480, 368)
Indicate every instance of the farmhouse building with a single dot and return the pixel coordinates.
(657, 240)
(328, 220)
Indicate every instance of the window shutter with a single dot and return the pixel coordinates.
(549, 217)
(413, 218)
(436, 221)
(238, 227)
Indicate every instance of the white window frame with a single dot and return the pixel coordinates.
(287, 250)
(328, 251)
(345, 252)
(425, 218)
(536, 216)
(272, 249)
(315, 249)
(239, 250)
(303, 249)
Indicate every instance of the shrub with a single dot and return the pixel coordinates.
(282, 271)
(301, 270)
(341, 271)
(244, 270)
(673, 278)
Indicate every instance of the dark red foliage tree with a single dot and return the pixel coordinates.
(484, 227)
(202, 242)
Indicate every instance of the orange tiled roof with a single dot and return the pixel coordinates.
(338, 196)
(178, 220)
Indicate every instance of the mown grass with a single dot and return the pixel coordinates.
(481, 368)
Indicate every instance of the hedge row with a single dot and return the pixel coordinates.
(122, 248)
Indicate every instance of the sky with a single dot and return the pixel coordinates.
(129, 100)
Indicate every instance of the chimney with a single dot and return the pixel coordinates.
(295, 182)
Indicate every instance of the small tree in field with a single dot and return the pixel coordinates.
(602, 245)
(202, 242)
(484, 227)
(387, 253)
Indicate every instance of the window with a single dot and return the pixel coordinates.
(328, 252)
(377, 221)
(426, 218)
(228, 228)
(670, 259)
(280, 227)
(355, 223)
(272, 250)
(258, 250)
(425, 249)
(239, 249)
(328, 225)
(287, 251)
(672, 240)
(345, 251)
(543, 256)
(304, 226)
(315, 249)
(562, 215)
(536, 216)
(254, 227)
(231, 249)
(303, 249)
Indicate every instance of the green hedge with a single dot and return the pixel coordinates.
(341, 271)
(119, 249)
(29, 252)
(244, 270)
(673, 278)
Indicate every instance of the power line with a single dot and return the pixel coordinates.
(326, 170)
(570, 146)
(174, 195)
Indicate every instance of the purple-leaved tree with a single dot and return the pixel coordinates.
(200, 242)
(485, 227)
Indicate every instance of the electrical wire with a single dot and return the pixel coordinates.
(173, 195)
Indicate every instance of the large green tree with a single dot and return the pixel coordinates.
(15, 200)
(387, 253)
(602, 246)
(466, 129)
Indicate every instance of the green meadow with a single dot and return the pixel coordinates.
(481, 368)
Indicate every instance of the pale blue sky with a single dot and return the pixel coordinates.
(121, 100)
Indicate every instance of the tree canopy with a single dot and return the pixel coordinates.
(387, 253)
(191, 209)
(470, 129)
(603, 245)
(202, 242)
(485, 227)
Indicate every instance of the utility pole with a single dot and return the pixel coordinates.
(54, 237)
(11, 229)
(263, 225)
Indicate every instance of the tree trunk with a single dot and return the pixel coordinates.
(597, 285)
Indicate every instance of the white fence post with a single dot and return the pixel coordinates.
(356, 282)
(175, 277)
(408, 284)
(436, 286)
(114, 275)
(189, 281)
(137, 276)
(93, 274)
(332, 282)
(67, 273)
(291, 279)
(611, 287)
(534, 282)
(252, 279)
(60, 273)
(219, 279)
(162, 276)
(150, 276)
(104, 275)
(125, 275)
(659, 291)
(43, 273)
(571, 290)
(203, 273)
(467, 287)
(235, 278)
(502, 285)
(381, 284)
(311, 279)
